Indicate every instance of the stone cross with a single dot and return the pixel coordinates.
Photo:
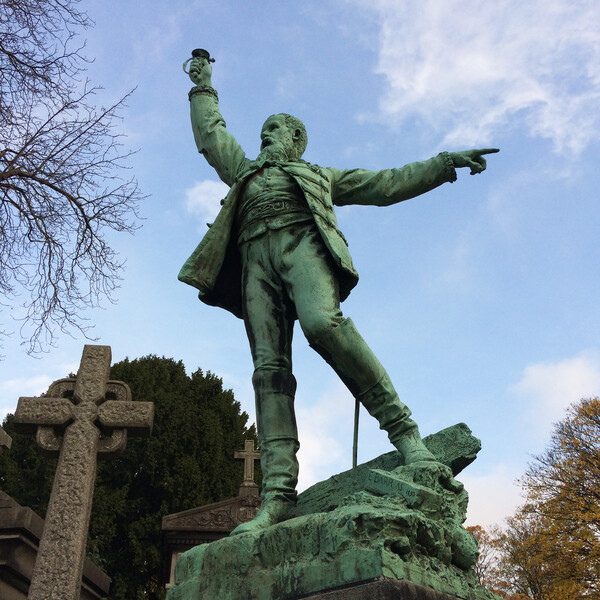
(79, 418)
(249, 455)
(5, 440)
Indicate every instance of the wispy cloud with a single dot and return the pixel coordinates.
(470, 70)
(203, 199)
(459, 267)
(548, 388)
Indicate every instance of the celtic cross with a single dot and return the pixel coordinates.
(78, 418)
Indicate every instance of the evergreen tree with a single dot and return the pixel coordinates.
(187, 462)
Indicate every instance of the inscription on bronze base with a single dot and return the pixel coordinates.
(382, 589)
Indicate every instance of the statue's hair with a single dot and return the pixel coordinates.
(296, 124)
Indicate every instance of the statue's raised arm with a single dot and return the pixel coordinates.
(213, 140)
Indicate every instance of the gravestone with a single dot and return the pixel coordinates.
(20, 532)
(204, 524)
(80, 419)
(249, 455)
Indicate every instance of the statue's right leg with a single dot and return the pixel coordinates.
(269, 320)
(278, 444)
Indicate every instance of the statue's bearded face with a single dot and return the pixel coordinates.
(277, 139)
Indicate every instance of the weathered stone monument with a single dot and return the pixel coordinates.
(274, 255)
(20, 533)
(204, 524)
(79, 419)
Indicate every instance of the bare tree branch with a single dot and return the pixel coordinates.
(63, 187)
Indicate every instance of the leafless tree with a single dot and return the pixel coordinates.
(63, 184)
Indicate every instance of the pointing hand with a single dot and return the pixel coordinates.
(472, 159)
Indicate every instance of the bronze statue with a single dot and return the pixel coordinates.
(275, 254)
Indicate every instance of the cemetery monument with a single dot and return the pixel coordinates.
(95, 416)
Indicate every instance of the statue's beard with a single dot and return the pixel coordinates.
(274, 152)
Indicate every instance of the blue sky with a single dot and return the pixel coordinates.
(480, 298)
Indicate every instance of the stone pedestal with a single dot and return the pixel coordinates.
(368, 537)
(380, 531)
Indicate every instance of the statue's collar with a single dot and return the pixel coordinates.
(260, 163)
(264, 163)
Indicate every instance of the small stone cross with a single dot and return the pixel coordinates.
(93, 415)
(249, 455)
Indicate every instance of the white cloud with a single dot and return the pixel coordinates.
(471, 69)
(548, 388)
(492, 497)
(203, 199)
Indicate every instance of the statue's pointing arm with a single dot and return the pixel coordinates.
(219, 147)
(389, 186)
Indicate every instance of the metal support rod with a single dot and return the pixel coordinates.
(355, 441)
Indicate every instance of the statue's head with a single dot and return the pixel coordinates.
(283, 136)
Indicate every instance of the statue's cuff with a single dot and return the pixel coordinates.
(449, 169)
(203, 89)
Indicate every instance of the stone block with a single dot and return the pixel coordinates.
(396, 531)
(455, 447)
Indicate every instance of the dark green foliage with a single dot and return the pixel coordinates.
(187, 462)
(25, 472)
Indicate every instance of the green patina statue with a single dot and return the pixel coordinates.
(275, 254)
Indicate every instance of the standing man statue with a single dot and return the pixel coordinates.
(275, 254)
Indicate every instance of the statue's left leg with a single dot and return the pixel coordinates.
(362, 373)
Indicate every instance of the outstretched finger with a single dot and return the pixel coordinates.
(487, 151)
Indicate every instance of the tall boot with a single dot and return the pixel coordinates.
(352, 359)
(278, 442)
